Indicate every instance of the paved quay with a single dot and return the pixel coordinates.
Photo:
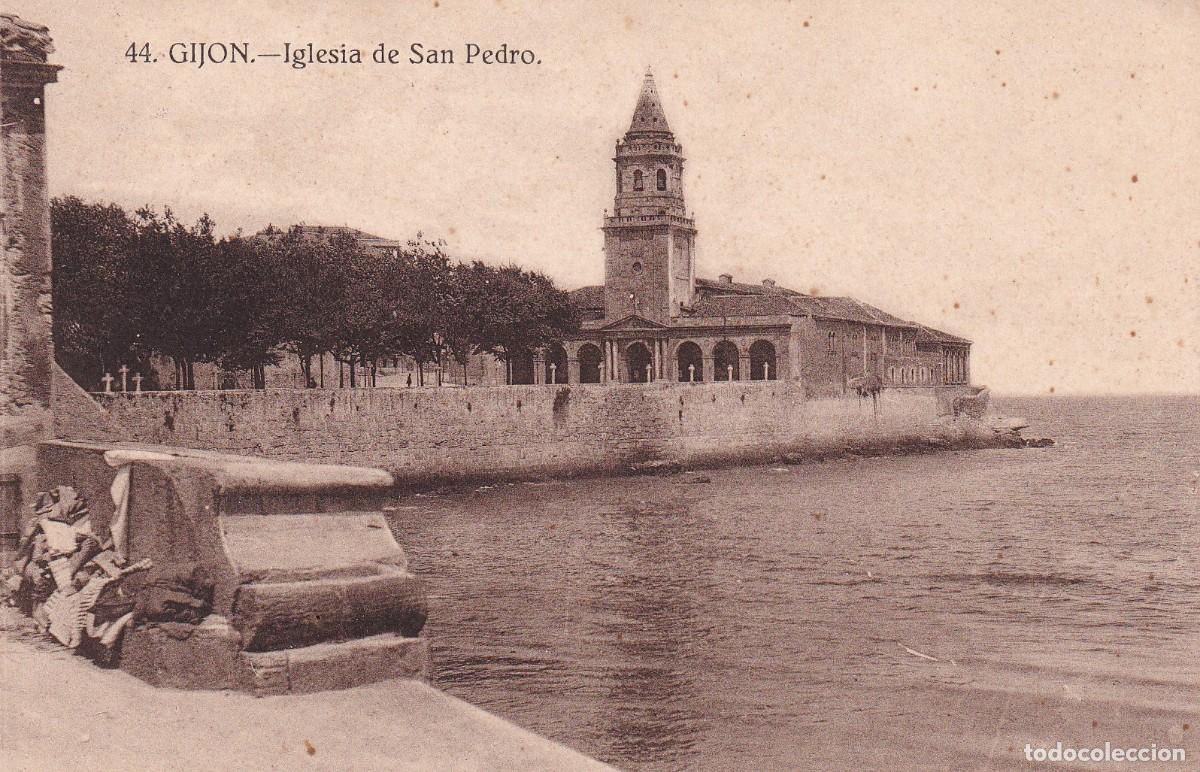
(63, 712)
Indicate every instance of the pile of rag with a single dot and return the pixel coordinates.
(69, 578)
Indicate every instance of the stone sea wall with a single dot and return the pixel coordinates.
(520, 431)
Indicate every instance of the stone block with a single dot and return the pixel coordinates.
(290, 589)
(356, 662)
(204, 656)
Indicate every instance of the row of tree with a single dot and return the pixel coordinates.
(127, 287)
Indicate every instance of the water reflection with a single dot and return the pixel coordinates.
(766, 620)
(648, 612)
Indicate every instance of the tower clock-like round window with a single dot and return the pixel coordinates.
(637, 267)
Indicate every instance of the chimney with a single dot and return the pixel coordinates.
(726, 278)
(769, 283)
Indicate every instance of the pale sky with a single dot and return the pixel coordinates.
(967, 165)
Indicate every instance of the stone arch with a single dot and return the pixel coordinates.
(763, 364)
(590, 361)
(726, 360)
(556, 355)
(520, 368)
(689, 354)
(639, 362)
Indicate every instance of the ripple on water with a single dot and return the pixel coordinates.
(662, 626)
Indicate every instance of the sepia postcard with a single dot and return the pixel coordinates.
(512, 385)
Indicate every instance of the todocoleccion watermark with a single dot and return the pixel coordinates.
(1107, 753)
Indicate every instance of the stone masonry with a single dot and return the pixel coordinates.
(420, 435)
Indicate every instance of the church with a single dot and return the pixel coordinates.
(653, 319)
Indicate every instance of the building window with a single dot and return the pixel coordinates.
(637, 267)
(891, 375)
(831, 342)
(662, 180)
(637, 179)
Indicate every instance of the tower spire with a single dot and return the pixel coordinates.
(648, 117)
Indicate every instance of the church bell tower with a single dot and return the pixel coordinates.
(649, 242)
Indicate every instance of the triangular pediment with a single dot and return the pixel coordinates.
(634, 322)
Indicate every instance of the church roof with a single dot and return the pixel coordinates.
(930, 335)
(847, 309)
(708, 286)
(590, 302)
(728, 298)
(588, 298)
(321, 232)
(743, 305)
(648, 116)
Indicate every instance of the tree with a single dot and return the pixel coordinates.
(176, 271)
(510, 312)
(463, 309)
(419, 287)
(250, 288)
(126, 287)
(362, 326)
(97, 310)
(308, 294)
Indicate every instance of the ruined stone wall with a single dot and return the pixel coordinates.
(25, 348)
(77, 416)
(26, 352)
(521, 430)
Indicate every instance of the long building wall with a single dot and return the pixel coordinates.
(459, 433)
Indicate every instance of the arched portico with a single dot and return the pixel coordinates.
(520, 368)
(590, 363)
(763, 363)
(556, 370)
(639, 362)
(726, 364)
(689, 361)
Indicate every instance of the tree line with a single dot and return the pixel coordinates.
(130, 286)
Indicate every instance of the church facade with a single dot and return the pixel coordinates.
(653, 319)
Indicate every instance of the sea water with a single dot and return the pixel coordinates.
(932, 611)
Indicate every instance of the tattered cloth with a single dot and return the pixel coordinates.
(69, 579)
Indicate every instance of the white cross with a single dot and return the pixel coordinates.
(137, 382)
(729, 369)
(108, 380)
(553, 373)
(766, 371)
(124, 371)
(692, 373)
